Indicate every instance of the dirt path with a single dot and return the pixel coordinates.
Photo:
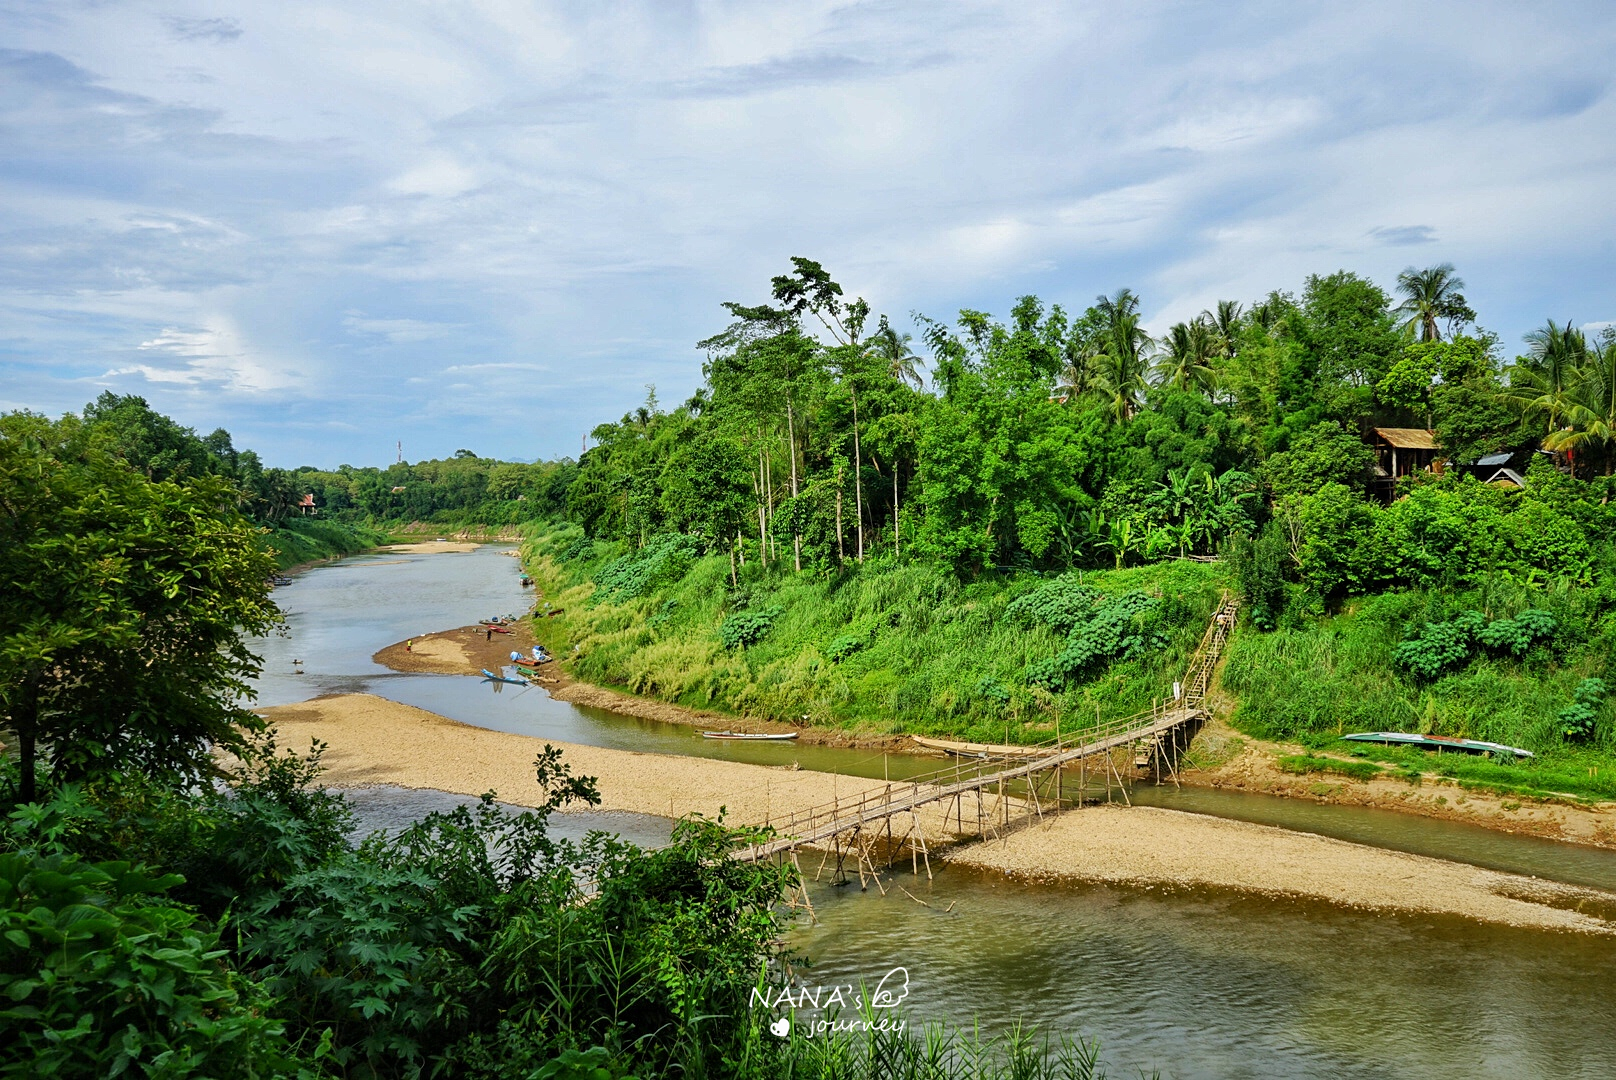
(375, 741)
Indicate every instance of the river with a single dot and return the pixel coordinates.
(1195, 983)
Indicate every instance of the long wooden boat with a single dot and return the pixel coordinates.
(1436, 742)
(747, 736)
(975, 749)
(502, 678)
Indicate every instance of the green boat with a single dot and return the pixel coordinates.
(1436, 742)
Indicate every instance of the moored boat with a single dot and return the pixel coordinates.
(748, 736)
(503, 678)
(977, 750)
(1436, 742)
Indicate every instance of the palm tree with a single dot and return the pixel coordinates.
(1540, 381)
(1429, 295)
(1123, 354)
(893, 349)
(1226, 320)
(1185, 359)
(1590, 406)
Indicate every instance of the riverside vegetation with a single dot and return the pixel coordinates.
(819, 533)
(165, 912)
(1026, 542)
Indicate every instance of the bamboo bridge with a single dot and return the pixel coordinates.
(997, 784)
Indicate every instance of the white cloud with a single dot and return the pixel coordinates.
(338, 205)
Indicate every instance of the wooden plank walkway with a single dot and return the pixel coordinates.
(874, 810)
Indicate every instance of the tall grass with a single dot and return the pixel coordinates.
(1314, 681)
(301, 540)
(915, 649)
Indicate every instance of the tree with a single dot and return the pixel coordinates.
(1429, 295)
(124, 606)
(1590, 405)
(1226, 322)
(1122, 354)
(1185, 359)
(1323, 454)
(892, 348)
(1541, 380)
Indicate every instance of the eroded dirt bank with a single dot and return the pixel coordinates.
(375, 741)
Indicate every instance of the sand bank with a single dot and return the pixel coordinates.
(431, 547)
(375, 741)
(1147, 845)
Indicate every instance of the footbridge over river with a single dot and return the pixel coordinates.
(994, 786)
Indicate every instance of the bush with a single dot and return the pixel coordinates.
(1445, 646)
(1577, 720)
(1118, 630)
(742, 628)
(101, 975)
(663, 560)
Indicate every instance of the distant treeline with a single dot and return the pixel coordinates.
(464, 489)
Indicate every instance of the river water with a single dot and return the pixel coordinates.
(1194, 983)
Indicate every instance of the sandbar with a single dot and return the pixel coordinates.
(372, 740)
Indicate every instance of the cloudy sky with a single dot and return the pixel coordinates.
(332, 226)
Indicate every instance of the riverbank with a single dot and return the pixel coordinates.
(301, 543)
(373, 741)
(1220, 757)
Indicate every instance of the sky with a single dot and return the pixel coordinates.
(336, 227)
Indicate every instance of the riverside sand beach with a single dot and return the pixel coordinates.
(375, 741)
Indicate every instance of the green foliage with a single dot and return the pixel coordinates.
(1117, 629)
(1443, 646)
(100, 975)
(1060, 605)
(662, 561)
(1577, 720)
(124, 604)
(301, 540)
(742, 628)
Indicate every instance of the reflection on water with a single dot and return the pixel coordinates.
(1195, 983)
(1208, 984)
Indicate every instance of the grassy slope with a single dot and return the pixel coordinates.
(305, 540)
(937, 650)
(1322, 678)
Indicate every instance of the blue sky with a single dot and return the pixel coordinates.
(328, 227)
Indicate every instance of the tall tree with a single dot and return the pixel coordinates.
(1122, 354)
(892, 349)
(1541, 380)
(1429, 295)
(124, 606)
(1185, 359)
(809, 288)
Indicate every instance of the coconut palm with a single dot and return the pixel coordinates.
(892, 348)
(1540, 382)
(1429, 295)
(1185, 359)
(1122, 356)
(1226, 320)
(1589, 412)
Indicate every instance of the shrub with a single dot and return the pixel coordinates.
(1445, 646)
(1060, 605)
(1302, 764)
(840, 648)
(102, 976)
(1577, 719)
(1119, 630)
(742, 628)
(663, 560)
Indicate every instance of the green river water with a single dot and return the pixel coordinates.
(1193, 983)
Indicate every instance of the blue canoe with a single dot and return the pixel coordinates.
(503, 678)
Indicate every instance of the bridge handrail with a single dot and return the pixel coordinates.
(992, 767)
